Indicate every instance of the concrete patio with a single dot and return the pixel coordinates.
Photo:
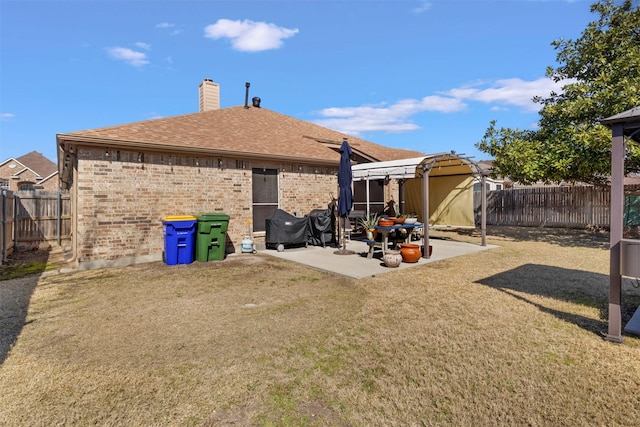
(358, 266)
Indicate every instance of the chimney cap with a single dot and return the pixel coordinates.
(255, 101)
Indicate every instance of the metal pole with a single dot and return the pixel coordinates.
(483, 214)
(425, 210)
(617, 207)
(368, 207)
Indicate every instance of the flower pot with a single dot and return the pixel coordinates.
(409, 221)
(399, 220)
(371, 233)
(430, 249)
(410, 252)
(392, 258)
(385, 222)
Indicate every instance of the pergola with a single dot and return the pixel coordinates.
(624, 253)
(434, 165)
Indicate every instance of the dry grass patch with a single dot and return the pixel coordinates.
(509, 336)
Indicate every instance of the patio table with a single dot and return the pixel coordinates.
(386, 230)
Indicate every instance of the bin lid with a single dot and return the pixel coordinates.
(218, 216)
(178, 218)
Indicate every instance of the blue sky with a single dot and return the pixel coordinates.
(422, 75)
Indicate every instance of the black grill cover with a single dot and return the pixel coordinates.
(284, 228)
(320, 227)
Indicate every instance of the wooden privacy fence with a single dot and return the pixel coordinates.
(568, 207)
(6, 224)
(32, 218)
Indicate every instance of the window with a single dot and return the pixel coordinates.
(376, 196)
(26, 186)
(265, 196)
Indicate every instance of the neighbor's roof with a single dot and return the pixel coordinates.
(237, 132)
(36, 162)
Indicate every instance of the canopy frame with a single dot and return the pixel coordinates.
(625, 125)
(439, 164)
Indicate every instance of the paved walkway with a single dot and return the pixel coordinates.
(358, 266)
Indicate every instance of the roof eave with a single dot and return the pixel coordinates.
(150, 146)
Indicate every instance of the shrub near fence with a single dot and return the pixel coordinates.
(567, 207)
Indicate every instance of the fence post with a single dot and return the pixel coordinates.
(58, 216)
(16, 217)
(3, 224)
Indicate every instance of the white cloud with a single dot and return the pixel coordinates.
(516, 92)
(167, 26)
(6, 116)
(396, 117)
(249, 36)
(131, 57)
(423, 7)
(392, 118)
(141, 45)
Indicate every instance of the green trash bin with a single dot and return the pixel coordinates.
(211, 237)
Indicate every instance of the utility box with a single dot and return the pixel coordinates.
(630, 257)
(179, 238)
(211, 238)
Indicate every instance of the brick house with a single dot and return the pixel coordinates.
(244, 161)
(32, 171)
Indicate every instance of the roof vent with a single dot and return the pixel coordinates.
(246, 95)
(255, 101)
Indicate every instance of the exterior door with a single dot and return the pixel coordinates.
(265, 196)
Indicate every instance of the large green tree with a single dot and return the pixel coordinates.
(600, 73)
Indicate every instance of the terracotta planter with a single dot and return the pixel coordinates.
(392, 258)
(399, 220)
(385, 222)
(410, 252)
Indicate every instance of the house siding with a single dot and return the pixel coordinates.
(123, 195)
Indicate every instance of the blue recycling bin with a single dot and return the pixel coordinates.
(179, 239)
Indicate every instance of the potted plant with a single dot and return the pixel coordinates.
(411, 218)
(369, 223)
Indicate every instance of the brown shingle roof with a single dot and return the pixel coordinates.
(238, 131)
(38, 163)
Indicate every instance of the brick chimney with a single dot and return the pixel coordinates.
(209, 95)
